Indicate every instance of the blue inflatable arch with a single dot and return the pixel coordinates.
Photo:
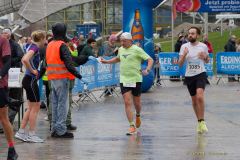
(138, 20)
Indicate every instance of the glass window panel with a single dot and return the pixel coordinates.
(71, 25)
(109, 19)
(97, 14)
(114, 12)
(74, 8)
(72, 15)
(118, 15)
(59, 16)
(118, 19)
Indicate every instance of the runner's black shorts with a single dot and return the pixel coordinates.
(3, 97)
(136, 91)
(198, 81)
(32, 91)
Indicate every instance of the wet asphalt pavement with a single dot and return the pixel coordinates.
(168, 130)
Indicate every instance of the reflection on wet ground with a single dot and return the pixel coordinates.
(167, 131)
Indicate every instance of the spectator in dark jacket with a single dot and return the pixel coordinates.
(179, 43)
(88, 49)
(231, 47)
(81, 43)
(16, 50)
(231, 44)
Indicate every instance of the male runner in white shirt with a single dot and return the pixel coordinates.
(195, 54)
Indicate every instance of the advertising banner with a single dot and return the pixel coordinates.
(209, 66)
(138, 20)
(97, 75)
(168, 68)
(89, 75)
(228, 63)
(206, 5)
(104, 74)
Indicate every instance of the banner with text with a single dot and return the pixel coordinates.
(206, 5)
(168, 68)
(97, 75)
(209, 66)
(228, 63)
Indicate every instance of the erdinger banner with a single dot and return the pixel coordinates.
(209, 66)
(106, 74)
(89, 75)
(97, 75)
(206, 6)
(228, 63)
(168, 68)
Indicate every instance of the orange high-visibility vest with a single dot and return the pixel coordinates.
(56, 68)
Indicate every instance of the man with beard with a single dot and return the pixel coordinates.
(195, 53)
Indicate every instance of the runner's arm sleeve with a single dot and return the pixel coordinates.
(6, 65)
(65, 56)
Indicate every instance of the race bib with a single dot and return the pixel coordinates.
(132, 85)
(194, 67)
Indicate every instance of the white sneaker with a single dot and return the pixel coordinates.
(21, 136)
(34, 139)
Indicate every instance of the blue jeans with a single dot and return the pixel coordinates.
(59, 102)
(69, 115)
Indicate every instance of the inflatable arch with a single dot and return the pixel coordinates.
(138, 20)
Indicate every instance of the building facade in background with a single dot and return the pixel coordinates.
(106, 13)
